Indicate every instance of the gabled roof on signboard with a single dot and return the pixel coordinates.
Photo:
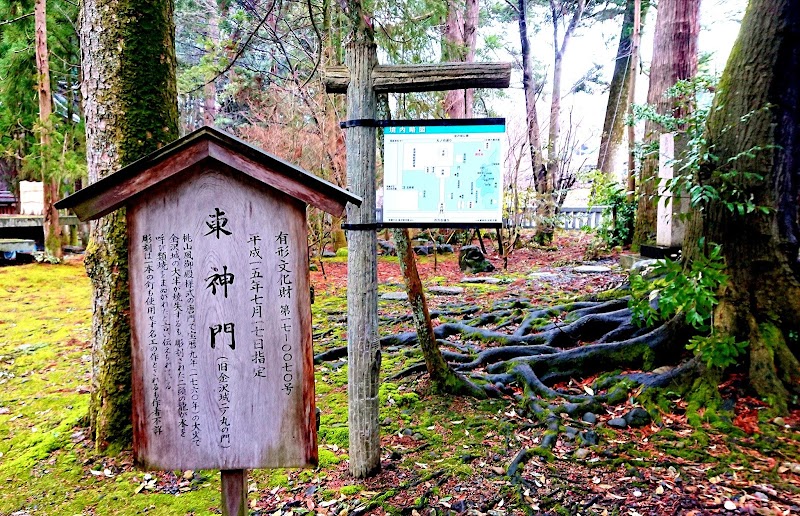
(201, 146)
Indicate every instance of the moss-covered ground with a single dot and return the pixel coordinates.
(440, 454)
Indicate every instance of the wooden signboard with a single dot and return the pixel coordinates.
(221, 320)
(220, 311)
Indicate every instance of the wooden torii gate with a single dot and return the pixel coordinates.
(362, 79)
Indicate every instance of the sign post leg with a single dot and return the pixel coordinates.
(234, 492)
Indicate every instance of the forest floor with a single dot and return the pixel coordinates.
(440, 454)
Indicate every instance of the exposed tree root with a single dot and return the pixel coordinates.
(519, 351)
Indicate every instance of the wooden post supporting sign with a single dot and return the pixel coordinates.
(362, 79)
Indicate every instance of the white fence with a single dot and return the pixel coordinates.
(569, 217)
(580, 217)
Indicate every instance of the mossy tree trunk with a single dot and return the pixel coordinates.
(674, 59)
(130, 101)
(761, 302)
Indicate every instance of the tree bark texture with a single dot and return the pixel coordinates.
(434, 361)
(363, 347)
(637, 31)
(674, 59)
(758, 105)
(52, 229)
(460, 38)
(618, 95)
(130, 91)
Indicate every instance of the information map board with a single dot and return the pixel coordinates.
(444, 172)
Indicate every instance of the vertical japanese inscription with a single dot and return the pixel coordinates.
(152, 332)
(176, 283)
(191, 323)
(257, 305)
(162, 262)
(284, 288)
(222, 334)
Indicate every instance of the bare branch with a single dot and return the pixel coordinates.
(18, 18)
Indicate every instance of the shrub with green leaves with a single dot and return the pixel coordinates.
(616, 227)
(691, 293)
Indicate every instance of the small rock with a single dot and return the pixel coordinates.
(386, 422)
(188, 474)
(570, 432)
(488, 280)
(472, 260)
(313, 267)
(497, 470)
(637, 493)
(543, 276)
(407, 432)
(592, 269)
(637, 417)
(394, 296)
(386, 247)
(761, 496)
(582, 453)
(571, 408)
(328, 254)
(549, 440)
(779, 421)
(446, 291)
(795, 468)
(459, 506)
(589, 418)
(729, 505)
(618, 422)
(418, 436)
(590, 438)
(644, 268)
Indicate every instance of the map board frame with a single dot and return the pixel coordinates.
(451, 132)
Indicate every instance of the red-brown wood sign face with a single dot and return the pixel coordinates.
(221, 320)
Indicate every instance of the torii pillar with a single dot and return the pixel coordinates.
(362, 79)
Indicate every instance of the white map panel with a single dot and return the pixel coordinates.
(441, 174)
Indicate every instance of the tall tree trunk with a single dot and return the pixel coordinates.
(618, 94)
(130, 91)
(460, 39)
(363, 345)
(546, 205)
(210, 88)
(558, 10)
(531, 89)
(52, 229)
(674, 59)
(637, 25)
(758, 106)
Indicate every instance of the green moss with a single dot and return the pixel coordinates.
(338, 435)
(327, 458)
(351, 489)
